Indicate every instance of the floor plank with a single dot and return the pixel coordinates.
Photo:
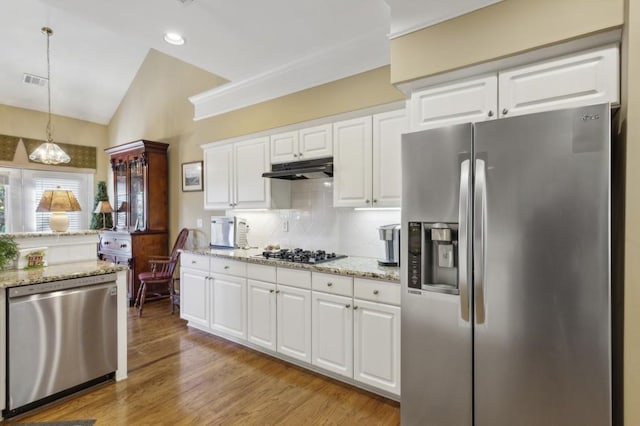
(181, 376)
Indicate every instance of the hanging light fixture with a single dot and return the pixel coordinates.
(49, 152)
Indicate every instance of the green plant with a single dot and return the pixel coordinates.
(8, 250)
(97, 218)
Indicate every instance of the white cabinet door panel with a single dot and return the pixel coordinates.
(454, 103)
(352, 163)
(251, 160)
(218, 177)
(388, 128)
(377, 345)
(571, 81)
(284, 147)
(316, 142)
(332, 333)
(194, 293)
(261, 301)
(294, 322)
(229, 306)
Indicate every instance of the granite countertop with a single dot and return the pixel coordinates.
(354, 266)
(54, 234)
(17, 277)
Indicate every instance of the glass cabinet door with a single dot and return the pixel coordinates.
(137, 220)
(121, 195)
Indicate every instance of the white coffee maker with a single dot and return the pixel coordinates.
(390, 234)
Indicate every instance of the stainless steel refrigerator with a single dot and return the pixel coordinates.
(506, 313)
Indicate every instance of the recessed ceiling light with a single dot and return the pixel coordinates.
(174, 38)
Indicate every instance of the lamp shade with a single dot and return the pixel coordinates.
(103, 207)
(58, 200)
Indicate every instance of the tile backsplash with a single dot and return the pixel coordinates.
(313, 223)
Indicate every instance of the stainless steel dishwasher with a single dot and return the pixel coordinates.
(62, 337)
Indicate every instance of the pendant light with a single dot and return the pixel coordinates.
(49, 152)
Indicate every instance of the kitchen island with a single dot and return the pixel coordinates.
(339, 318)
(59, 273)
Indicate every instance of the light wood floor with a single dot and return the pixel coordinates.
(179, 376)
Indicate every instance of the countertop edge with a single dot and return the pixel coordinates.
(338, 267)
(17, 277)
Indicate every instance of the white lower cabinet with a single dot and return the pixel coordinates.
(294, 322)
(193, 296)
(349, 327)
(229, 305)
(261, 317)
(332, 333)
(376, 347)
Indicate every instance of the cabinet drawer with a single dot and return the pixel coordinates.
(294, 277)
(377, 291)
(261, 272)
(229, 267)
(335, 284)
(194, 261)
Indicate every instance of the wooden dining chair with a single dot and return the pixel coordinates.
(161, 274)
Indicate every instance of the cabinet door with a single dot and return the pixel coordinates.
(352, 163)
(575, 80)
(218, 177)
(454, 103)
(229, 305)
(294, 322)
(377, 345)
(194, 296)
(251, 160)
(315, 142)
(284, 147)
(261, 327)
(332, 333)
(388, 128)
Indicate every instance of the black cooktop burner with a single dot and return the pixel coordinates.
(302, 256)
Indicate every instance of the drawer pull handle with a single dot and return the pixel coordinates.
(277, 291)
(355, 307)
(271, 291)
(375, 292)
(226, 267)
(329, 284)
(193, 262)
(347, 306)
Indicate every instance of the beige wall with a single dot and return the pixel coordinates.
(349, 94)
(499, 30)
(32, 124)
(156, 108)
(631, 117)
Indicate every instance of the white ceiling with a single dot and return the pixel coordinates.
(98, 45)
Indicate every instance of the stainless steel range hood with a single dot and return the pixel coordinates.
(296, 170)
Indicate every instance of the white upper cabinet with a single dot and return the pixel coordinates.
(388, 128)
(579, 79)
(251, 160)
(218, 177)
(233, 177)
(453, 103)
(305, 144)
(352, 163)
(575, 80)
(367, 160)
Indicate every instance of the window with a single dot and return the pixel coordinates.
(21, 190)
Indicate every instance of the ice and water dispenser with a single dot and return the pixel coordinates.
(433, 257)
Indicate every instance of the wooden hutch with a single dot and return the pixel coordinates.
(141, 204)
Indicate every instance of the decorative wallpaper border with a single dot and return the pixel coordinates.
(81, 156)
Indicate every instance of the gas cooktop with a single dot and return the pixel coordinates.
(299, 255)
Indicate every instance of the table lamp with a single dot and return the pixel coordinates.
(58, 202)
(104, 207)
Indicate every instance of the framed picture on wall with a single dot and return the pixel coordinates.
(192, 176)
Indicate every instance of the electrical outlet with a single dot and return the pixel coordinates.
(199, 222)
(285, 226)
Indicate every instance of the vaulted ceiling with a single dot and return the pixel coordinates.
(98, 45)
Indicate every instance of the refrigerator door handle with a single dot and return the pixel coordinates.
(463, 220)
(479, 221)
